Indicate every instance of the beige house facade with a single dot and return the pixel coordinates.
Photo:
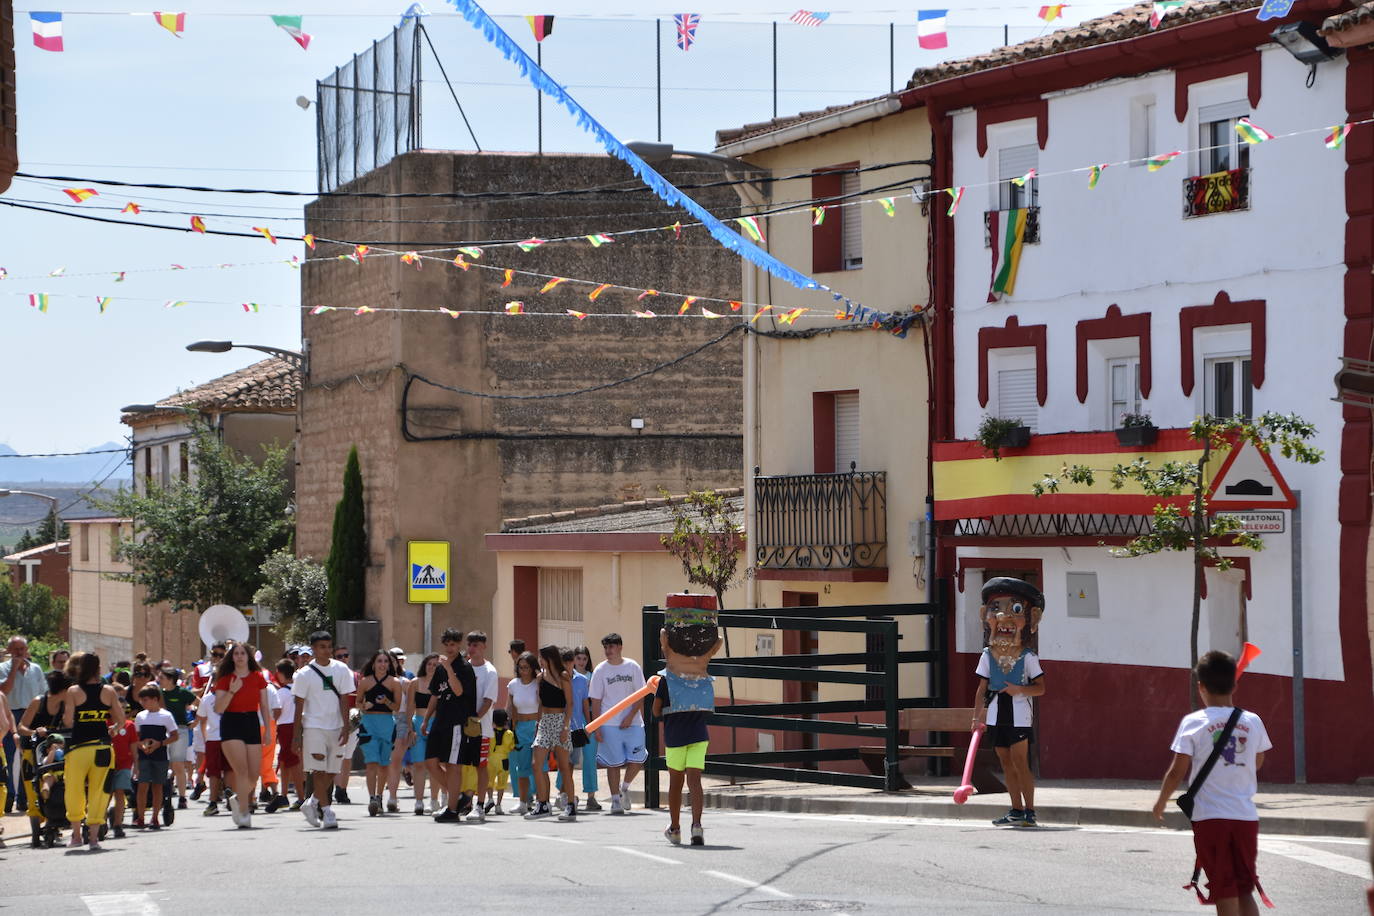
(836, 432)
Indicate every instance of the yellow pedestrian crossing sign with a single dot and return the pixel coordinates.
(428, 566)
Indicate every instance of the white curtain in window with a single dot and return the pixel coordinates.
(847, 431)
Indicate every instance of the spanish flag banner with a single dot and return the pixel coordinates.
(1008, 231)
(172, 22)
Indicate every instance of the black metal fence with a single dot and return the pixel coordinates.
(368, 111)
(822, 521)
(1220, 192)
(881, 625)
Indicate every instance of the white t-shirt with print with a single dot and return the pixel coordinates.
(288, 706)
(1229, 792)
(613, 683)
(321, 708)
(1022, 712)
(488, 688)
(207, 712)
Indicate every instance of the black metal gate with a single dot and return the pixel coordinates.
(880, 624)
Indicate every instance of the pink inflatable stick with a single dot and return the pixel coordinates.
(966, 789)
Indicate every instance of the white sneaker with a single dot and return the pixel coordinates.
(329, 821)
(616, 806)
(311, 810)
(625, 799)
(246, 821)
(419, 807)
(478, 816)
(522, 810)
(562, 800)
(235, 814)
(569, 814)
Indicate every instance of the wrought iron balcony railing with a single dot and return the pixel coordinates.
(1219, 192)
(1032, 236)
(821, 521)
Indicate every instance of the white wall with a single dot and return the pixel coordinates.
(1127, 243)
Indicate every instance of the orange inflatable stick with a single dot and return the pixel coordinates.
(1248, 654)
(649, 687)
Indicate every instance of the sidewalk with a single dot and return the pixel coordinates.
(1311, 810)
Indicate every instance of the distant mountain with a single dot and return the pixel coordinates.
(82, 469)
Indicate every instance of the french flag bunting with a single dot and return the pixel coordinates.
(47, 30)
(931, 33)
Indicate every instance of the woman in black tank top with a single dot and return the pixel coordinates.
(90, 710)
(415, 755)
(42, 718)
(554, 731)
(378, 698)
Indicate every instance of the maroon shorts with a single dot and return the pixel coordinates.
(286, 754)
(1226, 850)
(214, 760)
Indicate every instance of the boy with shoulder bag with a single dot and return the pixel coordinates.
(1220, 748)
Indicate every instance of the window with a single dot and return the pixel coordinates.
(837, 243)
(851, 225)
(165, 466)
(1123, 388)
(1142, 130)
(835, 431)
(1016, 396)
(84, 531)
(1221, 148)
(560, 606)
(184, 453)
(1227, 387)
(147, 467)
(1014, 162)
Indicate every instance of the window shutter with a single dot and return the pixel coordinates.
(1015, 161)
(847, 431)
(1016, 397)
(826, 256)
(852, 249)
(560, 606)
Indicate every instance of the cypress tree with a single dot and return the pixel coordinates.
(347, 563)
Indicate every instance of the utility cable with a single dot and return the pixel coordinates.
(444, 73)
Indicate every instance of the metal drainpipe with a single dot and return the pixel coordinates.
(751, 432)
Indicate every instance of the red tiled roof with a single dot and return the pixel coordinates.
(1342, 21)
(635, 515)
(759, 128)
(1126, 23)
(270, 385)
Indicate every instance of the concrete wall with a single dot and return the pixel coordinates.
(521, 457)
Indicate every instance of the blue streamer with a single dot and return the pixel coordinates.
(661, 186)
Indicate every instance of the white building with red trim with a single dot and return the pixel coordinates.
(1155, 292)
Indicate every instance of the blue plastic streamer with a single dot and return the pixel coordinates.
(661, 186)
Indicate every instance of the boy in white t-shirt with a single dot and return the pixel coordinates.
(620, 745)
(1225, 822)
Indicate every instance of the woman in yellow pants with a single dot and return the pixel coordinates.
(92, 707)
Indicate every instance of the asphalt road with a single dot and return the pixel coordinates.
(402, 864)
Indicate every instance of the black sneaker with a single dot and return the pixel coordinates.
(118, 832)
(169, 814)
(341, 796)
(265, 795)
(1028, 818)
(489, 807)
(181, 804)
(1011, 819)
(198, 791)
(276, 804)
(211, 810)
(465, 805)
(296, 805)
(447, 816)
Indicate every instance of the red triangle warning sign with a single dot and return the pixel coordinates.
(1249, 479)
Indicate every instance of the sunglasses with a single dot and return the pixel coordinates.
(217, 655)
(341, 655)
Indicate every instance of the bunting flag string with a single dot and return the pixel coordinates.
(197, 225)
(130, 207)
(47, 30)
(172, 22)
(291, 25)
(80, 194)
(686, 25)
(931, 32)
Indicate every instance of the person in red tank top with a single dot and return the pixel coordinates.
(242, 701)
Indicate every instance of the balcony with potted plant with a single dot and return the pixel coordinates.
(996, 433)
(1137, 430)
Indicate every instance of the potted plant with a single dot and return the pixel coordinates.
(1137, 430)
(995, 434)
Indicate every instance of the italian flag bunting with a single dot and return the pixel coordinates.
(1008, 231)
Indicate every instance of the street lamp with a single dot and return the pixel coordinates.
(298, 359)
(652, 152)
(51, 499)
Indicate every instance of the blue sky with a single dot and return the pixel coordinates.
(217, 108)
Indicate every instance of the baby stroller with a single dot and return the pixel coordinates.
(47, 829)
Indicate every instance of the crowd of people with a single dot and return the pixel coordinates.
(94, 752)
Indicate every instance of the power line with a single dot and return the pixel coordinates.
(97, 451)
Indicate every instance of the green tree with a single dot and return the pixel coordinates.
(48, 531)
(27, 541)
(346, 566)
(295, 588)
(1195, 530)
(203, 541)
(30, 610)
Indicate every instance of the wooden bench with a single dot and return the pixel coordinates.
(944, 719)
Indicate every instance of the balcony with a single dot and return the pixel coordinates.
(1219, 192)
(822, 526)
(1032, 236)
